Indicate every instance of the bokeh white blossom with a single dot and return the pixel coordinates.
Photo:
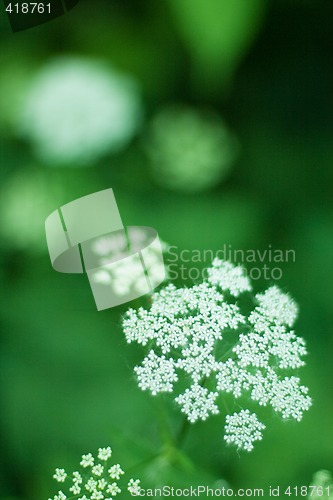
(78, 109)
(190, 150)
(321, 486)
(206, 336)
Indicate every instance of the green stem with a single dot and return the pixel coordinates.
(144, 462)
(182, 434)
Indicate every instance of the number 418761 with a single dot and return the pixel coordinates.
(29, 8)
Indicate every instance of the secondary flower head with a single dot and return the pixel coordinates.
(190, 150)
(134, 487)
(197, 403)
(322, 485)
(78, 109)
(243, 429)
(104, 453)
(202, 335)
(87, 460)
(95, 481)
(115, 472)
(60, 475)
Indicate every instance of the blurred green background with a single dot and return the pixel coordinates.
(258, 75)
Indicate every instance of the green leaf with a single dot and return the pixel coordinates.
(218, 34)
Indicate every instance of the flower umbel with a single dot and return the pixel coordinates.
(77, 109)
(95, 481)
(60, 475)
(190, 150)
(242, 429)
(204, 333)
(134, 487)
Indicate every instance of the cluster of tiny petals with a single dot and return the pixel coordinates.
(77, 477)
(134, 487)
(156, 374)
(104, 453)
(190, 320)
(232, 378)
(176, 313)
(113, 489)
(96, 481)
(115, 472)
(243, 429)
(258, 350)
(290, 398)
(60, 475)
(189, 332)
(197, 361)
(87, 460)
(60, 496)
(277, 306)
(97, 470)
(285, 395)
(75, 488)
(228, 277)
(197, 402)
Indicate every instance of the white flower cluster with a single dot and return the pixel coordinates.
(78, 109)
(197, 402)
(229, 278)
(97, 481)
(201, 332)
(190, 150)
(242, 429)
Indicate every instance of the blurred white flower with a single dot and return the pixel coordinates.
(77, 110)
(321, 486)
(26, 199)
(189, 150)
(219, 348)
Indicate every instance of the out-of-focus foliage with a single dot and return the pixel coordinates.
(26, 199)
(218, 50)
(14, 80)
